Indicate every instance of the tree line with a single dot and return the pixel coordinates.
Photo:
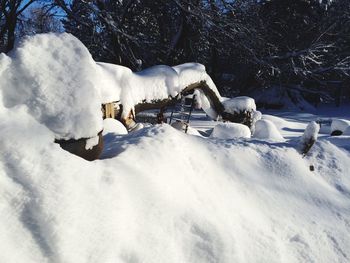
(245, 44)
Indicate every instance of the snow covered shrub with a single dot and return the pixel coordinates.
(239, 110)
(309, 137)
(230, 130)
(56, 78)
(266, 129)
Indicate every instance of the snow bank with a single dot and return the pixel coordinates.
(178, 125)
(339, 125)
(239, 104)
(55, 77)
(265, 129)
(228, 201)
(230, 130)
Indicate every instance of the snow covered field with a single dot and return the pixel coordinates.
(160, 195)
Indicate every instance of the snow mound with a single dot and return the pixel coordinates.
(239, 104)
(347, 131)
(230, 130)
(55, 76)
(339, 125)
(256, 115)
(265, 129)
(178, 125)
(113, 126)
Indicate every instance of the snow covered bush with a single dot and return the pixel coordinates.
(55, 76)
(309, 137)
(266, 130)
(230, 130)
(338, 126)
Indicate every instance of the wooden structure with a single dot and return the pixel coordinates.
(111, 110)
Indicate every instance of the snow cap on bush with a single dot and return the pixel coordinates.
(55, 76)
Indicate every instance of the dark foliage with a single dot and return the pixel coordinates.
(245, 44)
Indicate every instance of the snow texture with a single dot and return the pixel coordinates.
(266, 130)
(190, 73)
(347, 131)
(339, 125)
(256, 115)
(112, 80)
(55, 76)
(152, 84)
(230, 130)
(239, 104)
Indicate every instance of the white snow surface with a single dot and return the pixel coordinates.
(155, 83)
(190, 73)
(266, 130)
(347, 131)
(228, 201)
(229, 130)
(339, 125)
(238, 104)
(310, 132)
(113, 126)
(112, 79)
(55, 76)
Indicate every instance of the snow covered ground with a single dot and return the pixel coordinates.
(159, 195)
